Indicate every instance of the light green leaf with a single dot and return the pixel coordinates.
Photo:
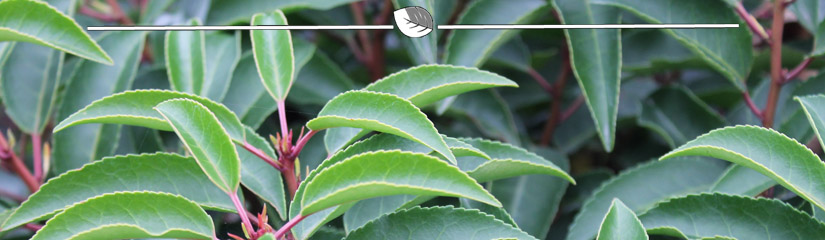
(367, 210)
(596, 59)
(135, 108)
(426, 84)
(819, 45)
(814, 107)
(498, 212)
(438, 223)
(204, 136)
(727, 50)
(710, 215)
(472, 48)
(261, 178)
(221, 60)
(130, 215)
(37, 22)
(506, 161)
(385, 173)
(230, 11)
(247, 96)
(159, 172)
(740, 180)
(784, 160)
(662, 180)
(274, 54)
(678, 115)
(90, 81)
(381, 112)
(621, 223)
(186, 59)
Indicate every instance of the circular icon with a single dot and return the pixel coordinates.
(414, 21)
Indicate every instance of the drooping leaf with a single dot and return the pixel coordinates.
(596, 59)
(135, 108)
(621, 223)
(727, 50)
(678, 115)
(130, 215)
(261, 178)
(472, 48)
(386, 173)
(205, 137)
(662, 180)
(185, 53)
(438, 223)
(274, 54)
(740, 180)
(506, 161)
(380, 112)
(784, 160)
(159, 172)
(37, 22)
(221, 60)
(229, 12)
(709, 215)
(90, 81)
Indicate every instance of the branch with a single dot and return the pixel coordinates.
(777, 77)
(751, 105)
(797, 70)
(17, 165)
(572, 108)
(753, 24)
(242, 213)
(541, 81)
(263, 156)
(555, 107)
(292, 222)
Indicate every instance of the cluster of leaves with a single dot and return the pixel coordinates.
(146, 132)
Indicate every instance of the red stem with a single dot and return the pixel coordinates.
(751, 22)
(263, 156)
(33, 227)
(37, 154)
(751, 105)
(797, 70)
(572, 108)
(282, 118)
(540, 80)
(301, 143)
(12, 196)
(242, 213)
(17, 165)
(292, 181)
(555, 107)
(124, 19)
(285, 229)
(777, 76)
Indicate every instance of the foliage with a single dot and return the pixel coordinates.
(675, 133)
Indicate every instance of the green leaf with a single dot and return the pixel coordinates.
(130, 215)
(367, 210)
(37, 22)
(506, 161)
(204, 136)
(152, 10)
(229, 11)
(810, 16)
(221, 60)
(385, 173)
(158, 172)
(814, 107)
(320, 80)
(596, 59)
(90, 81)
(498, 212)
(490, 113)
(678, 115)
(381, 112)
(247, 96)
(472, 48)
(819, 45)
(621, 223)
(424, 85)
(740, 180)
(784, 160)
(261, 178)
(710, 215)
(274, 54)
(136, 108)
(438, 223)
(727, 50)
(662, 180)
(186, 59)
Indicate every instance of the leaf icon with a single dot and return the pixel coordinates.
(414, 21)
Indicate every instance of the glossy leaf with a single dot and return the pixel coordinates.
(185, 53)
(37, 22)
(261, 178)
(741, 180)
(380, 112)
(727, 50)
(663, 180)
(90, 81)
(710, 215)
(274, 54)
(221, 60)
(784, 160)
(438, 223)
(229, 11)
(472, 48)
(506, 161)
(130, 215)
(135, 108)
(678, 115)
(386, 173)
(159, 172)
(621, 223)
(596, 59)
(204, 136)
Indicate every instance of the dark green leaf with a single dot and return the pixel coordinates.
(678, 115)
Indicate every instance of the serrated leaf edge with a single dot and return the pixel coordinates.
(280, 14)
(549, 165)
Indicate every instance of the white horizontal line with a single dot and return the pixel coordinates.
(589, 26)
(389, 27)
